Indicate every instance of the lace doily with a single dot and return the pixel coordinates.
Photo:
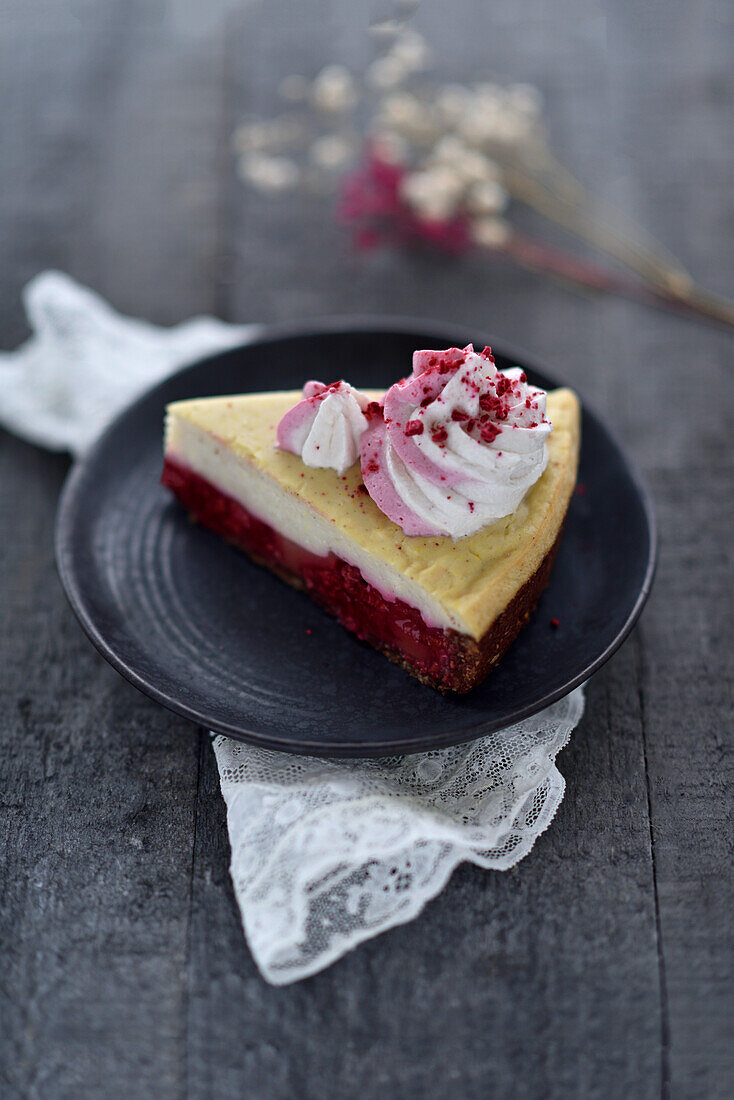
(325, 853)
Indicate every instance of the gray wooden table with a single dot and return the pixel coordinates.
(602, 965)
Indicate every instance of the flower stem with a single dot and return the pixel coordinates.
(571, 268)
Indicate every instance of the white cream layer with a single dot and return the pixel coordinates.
(292, 518)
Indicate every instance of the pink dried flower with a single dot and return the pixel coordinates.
(372, 204)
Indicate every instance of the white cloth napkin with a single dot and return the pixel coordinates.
(325, 853)
(83, 362)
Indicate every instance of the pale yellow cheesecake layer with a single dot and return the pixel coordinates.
(467, 582)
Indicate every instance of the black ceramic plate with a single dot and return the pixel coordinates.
(199, 628)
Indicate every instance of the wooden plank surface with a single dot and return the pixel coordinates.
(110, 147)
(601, 965)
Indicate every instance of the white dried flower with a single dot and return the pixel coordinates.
(490, 232)
(475, 167)
(386, 73)
(294, 88)
(333, 90)
(452, 102)
(390, 147)
(488, 92)
(261, 136)
(525, 98)
(448, 149)
(402, 109)
(514, 128)
(475, 124)
(486, 197)
(411, 49)
(434, 194)
(487, 123)
(407, 115)
(331, 152)
(268, 173)
(251, 136)
(472, 165)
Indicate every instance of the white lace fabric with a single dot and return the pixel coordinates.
(325, 853)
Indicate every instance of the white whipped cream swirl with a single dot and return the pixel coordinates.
(325, 427)
(460, 445)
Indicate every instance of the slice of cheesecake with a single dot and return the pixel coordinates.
(445, 609)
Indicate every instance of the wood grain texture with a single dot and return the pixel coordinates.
(601, 966)
(110, 152)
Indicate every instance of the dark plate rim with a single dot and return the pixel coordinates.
(71, 505)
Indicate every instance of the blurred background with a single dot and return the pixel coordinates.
(119, 166)
(125, 161)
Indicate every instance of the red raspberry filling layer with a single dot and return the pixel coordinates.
(392, 626)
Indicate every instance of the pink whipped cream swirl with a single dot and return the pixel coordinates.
(325, 427)
(449, 450)
(459, 446)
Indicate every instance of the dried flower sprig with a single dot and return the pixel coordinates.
(440, 164)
